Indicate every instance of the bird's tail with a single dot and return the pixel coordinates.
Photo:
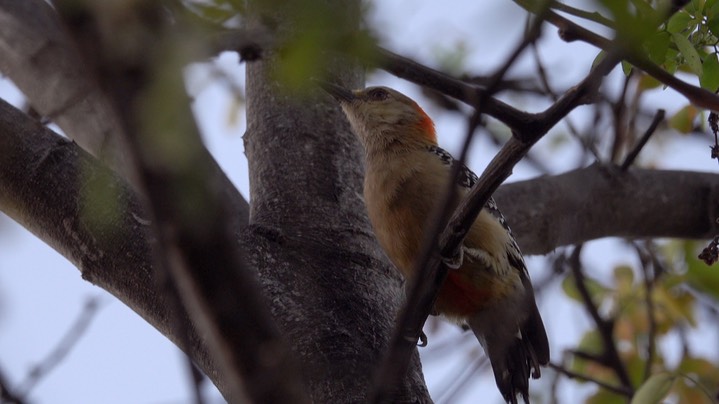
(515, 352)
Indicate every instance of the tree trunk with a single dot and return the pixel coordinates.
(331, 288)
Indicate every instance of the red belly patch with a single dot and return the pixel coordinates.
(460, 297)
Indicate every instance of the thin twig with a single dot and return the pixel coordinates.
(619, 110)
(590, 356)
(605, 328)
(530, 159)
(643, 140)
(587, 15)
(63, 348)
(197, 379)
(467, 374)
(652, 329)
(650, 259)
(570, 31)
(544, 79)
(623, 391)
(7, 395)
(417, 73)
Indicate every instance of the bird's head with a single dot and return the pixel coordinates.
(383, 117)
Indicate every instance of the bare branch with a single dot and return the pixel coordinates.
(649, 259)
(628, 204)
(108, 243)
(604, 327)
(7, 395)
(591, 16)
(196, 246)
(586, 144)
(570, 31)
(658, 118)
(45, 64)
(468, 93)
(63, 348)
(573, 375)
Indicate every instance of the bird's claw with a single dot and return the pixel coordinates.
(456, 260)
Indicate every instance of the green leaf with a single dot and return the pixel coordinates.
(683, 120)
(671, 63)
(691, 56)
(217, 14)
(710, 73)
(657, 47)
(699, 275)
(697, 6)
(592, 343)
(678, 22)
(624, 278)
(654, 389)
(626, 68)
(713, 24)
(712, 8)
(596, 290)
(647, 82)
(645, 11)
(598, 59)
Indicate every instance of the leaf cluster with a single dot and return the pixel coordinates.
(677, 288)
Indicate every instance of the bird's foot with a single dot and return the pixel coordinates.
(455, 261)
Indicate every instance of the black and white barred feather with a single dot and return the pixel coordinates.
(468, 179)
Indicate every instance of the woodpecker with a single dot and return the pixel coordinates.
(490, 291)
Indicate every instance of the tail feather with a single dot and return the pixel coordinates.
(534, 332)
(515, 352)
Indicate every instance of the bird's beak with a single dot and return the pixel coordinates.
(340, 93)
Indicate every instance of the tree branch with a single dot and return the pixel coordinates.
(107, 242)
(196, 249)
(658, 118)
(570, 31)
(63, 347)
(605, 202)
(45, 64)
(116, 257)
(574, 375)
(605, 328)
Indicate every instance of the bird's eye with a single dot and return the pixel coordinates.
(377, 94)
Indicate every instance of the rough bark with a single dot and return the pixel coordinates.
(44, 179)
(331, 288)
(602, 201)
(43, 61)
(311, 240)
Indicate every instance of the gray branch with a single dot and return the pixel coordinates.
(42, 60)
(327, 280)
(599, 201)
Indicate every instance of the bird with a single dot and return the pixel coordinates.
(406, 172)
